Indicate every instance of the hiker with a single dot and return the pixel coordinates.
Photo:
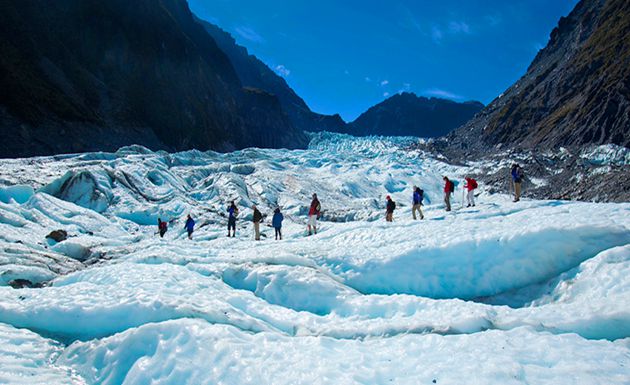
(233, 213)
(313, 214)
(162, 227)
(418, 196)
(470, 185)
(189, 226)
(391, 206)
(257, 219)
(449, 188)
(517, 178)
(276, 222)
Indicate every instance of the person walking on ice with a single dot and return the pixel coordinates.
(418, 196)
(162, 227)
(470, 186)
(313, 215)
(189, 226)
(449, 188)
(257, 218)
(232, 214)
(276, 222)
(389, 209)
(517, 178)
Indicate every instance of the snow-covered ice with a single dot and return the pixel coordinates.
(534, 292)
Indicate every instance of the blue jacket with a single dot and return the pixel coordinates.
(190, 224)
(417, 198)
(517, 174)
(277, 219)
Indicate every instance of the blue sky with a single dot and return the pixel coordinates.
(344, 56)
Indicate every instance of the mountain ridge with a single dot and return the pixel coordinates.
(253, 72)
(140, 72)
(406, 114)
(575, 92)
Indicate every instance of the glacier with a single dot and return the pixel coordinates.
(503, 292)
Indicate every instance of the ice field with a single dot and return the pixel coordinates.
(504, 293)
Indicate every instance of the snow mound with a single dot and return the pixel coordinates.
(173, 353)
(17, 193)
(25, 359)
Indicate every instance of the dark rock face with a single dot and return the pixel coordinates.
(21, 283)
(406, 114)
(58, 235)
(87, 75)
(255, 74)
(575, 92)
(566, 176)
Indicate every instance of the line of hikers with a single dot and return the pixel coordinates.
(314, 211)
(257, 217)
(418, 197)
(516, 172)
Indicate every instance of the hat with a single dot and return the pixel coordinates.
(388, 197)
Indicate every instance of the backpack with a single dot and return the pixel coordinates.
(451, 186)
(421, 193)
(473, 183)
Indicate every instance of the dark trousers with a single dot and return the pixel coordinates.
(278, 232)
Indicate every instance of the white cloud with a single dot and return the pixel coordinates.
(409, 21)
(282, 70)
(538, 46)
(406, 87)
(456, 27)
(384, 83)
(493, 20)
(440, 93)
(367, 79)
(440, 31)
(436, 34)
(248, 33)
(385, 94)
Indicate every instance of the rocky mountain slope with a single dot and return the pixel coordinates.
(576, 91)
(406, 114)
(140, 72)
(573, 100)
(254, 73)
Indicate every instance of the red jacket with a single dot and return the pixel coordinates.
(314, 210)
(447, 186)
(471, 184)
